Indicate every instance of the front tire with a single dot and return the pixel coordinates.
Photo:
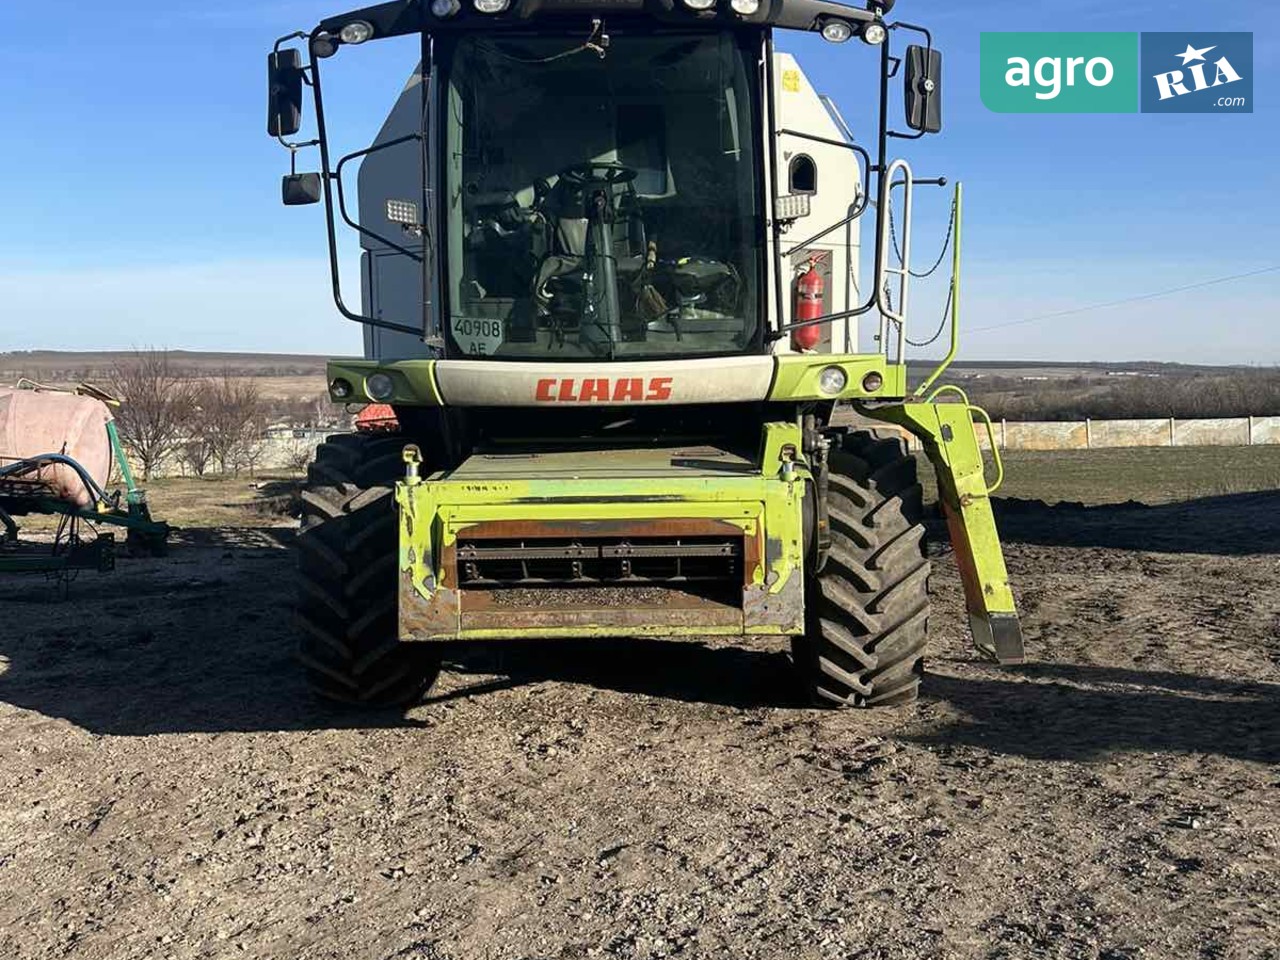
(347, 577)
(867, 610)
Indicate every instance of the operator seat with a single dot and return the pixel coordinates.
(565, 206)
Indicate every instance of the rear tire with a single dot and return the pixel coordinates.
(348, 577)
(867, 611)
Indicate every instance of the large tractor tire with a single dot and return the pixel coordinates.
(347, 577)
(867, 609)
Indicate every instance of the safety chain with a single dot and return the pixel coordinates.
(946, 243)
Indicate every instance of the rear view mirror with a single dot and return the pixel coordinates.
(922, 93)
(284, 92)
(300, 189)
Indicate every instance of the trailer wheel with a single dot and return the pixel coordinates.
(347, 577)
(867, 611)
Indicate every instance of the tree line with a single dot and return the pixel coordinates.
(169, 415)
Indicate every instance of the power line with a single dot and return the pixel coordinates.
(1124, 300)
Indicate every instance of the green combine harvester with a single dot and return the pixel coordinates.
(611, 291)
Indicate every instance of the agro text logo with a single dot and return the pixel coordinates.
(1197, 73)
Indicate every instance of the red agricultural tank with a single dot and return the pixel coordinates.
(35, 422)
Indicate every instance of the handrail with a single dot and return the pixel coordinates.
(888, 312)
(986, 419)
(956, 225)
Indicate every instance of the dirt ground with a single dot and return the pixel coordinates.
(169, 789)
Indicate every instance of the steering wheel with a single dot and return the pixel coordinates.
(608, 172)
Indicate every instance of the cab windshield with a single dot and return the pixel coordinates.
(601, 206)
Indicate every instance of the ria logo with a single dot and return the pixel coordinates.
(1172, 84)
(1197, 73)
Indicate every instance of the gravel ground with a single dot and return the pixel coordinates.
(168, 788)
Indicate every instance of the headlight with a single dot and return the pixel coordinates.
(699, 4)
(872, 382)
(745, 7)
(832, 380)
(357, 31)
(836, 31)
(492, 6)
(874, 34)
(445, 8)
(340, 388)
(379, 386)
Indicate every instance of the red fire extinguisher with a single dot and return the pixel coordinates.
(809, 291)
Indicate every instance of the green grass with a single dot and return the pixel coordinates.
(1149, 474)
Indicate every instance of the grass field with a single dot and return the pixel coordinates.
(1149, 474)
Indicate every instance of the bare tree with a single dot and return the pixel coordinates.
(195, 453)
(231, 420)
(155, 409)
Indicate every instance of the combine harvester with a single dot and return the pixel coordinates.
(611, 292)
(57, 451)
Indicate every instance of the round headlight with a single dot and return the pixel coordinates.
(379, 386)
(745, 7)
(341, 389)
(445, 8)
(357, 31)
(874, 34)
(872, 382)
(836, 31)
(492, 6)
(699, 4)
(832, 380)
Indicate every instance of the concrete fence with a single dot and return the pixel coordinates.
(1153, 432)
(285, 448)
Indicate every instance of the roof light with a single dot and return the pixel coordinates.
(323, 46)
(357, 31)
(445, 8)
(492, 6)
(699, 5)
(835, 31)
(745, 7)
(874, 34)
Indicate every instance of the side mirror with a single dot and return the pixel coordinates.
(922, 93)
(284, 92)
(300, 189)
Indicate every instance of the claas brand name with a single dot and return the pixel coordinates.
(603, 389)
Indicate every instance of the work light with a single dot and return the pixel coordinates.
(492, 6)
(699, 4)
(836, 31)
(445, 8)
(357, 31)
(745, 7)
(403, 212)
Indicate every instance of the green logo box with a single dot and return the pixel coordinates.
(1060, 72)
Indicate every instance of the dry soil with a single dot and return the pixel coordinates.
(169, 789)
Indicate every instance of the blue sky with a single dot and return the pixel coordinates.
(142, 202)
